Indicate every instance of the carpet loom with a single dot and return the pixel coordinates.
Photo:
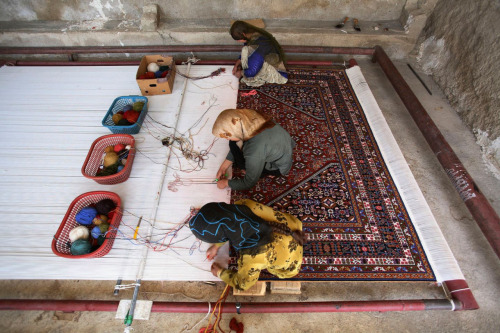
(51, 115)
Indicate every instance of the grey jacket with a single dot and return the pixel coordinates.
(272, 149)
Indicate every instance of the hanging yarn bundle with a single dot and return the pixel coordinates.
(217, 72)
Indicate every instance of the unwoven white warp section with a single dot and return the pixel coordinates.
(438, 252)
(49, 117)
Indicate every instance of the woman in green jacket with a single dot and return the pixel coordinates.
(264, 239)
(257, 145)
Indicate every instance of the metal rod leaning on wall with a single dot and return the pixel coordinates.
(476, 202)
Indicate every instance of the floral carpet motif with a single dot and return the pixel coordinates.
(356, 225)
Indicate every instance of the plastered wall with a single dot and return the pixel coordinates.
(460, 48)
(323, 10)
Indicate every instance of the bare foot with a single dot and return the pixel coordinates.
(212, 251)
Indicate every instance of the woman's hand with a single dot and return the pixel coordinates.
(222, 183)
(223, 169)
(237, 67)
(212, 251)
(215, 269)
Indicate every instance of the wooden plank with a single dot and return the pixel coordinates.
(285, 287)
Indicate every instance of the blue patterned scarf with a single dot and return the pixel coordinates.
(218, 222)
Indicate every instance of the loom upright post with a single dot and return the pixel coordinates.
(130, 316)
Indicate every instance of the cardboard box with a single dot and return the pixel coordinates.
(159, 86)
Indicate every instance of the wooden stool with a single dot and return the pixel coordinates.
(258, 289)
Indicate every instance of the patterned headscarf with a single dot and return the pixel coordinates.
(241, 124)
(219, 222)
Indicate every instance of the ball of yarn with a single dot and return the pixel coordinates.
(116, 118)
(86, 215)
(110, 159)
(80, 246)
(79, 232)
(119, 147)
(105, 206)
(124, 122)
(127, 107)
(104, 227)
(100, 240)
(96, 232)
(109, 149)
(132, 116)
(153, 67)
(100, 219)
(149, 75)
(164, 68)
(138, 106)
(120, 168)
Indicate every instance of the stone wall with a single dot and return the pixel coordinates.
(319, 10)
(460, 48)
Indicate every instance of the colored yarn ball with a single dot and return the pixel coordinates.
(158, 74)
(124, 122)
(100, 219)
(108, 171)
(149, 75)
(153, 67)
(110, 159)
(116, 118)
(100, 240)
(79, 232)
(124, 161)
(109, 149)
(120, 168)
(105, 206)
(126, 108)
(132, 116)
(118, 148)
(164, 68)
(96, 232)
(86, 215)
(80, 246)
(104, 227)
(138, 106)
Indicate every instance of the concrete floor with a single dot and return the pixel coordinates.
(477, 260)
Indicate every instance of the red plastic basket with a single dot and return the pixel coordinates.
(94, 158)
(61, 243)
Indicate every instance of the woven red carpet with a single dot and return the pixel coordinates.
(356, 224)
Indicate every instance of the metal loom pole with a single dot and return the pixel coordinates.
(130, 316)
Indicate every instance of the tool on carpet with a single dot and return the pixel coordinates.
(137, 228)
(356, 25)
(341, 24)
(421, 81)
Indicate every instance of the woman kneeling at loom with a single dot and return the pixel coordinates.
(263, 238)
(266, 148)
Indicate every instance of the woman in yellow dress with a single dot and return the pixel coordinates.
(264, 239)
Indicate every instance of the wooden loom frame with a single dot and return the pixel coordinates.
(460, 296)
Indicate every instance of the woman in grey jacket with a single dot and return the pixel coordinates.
(265, 148)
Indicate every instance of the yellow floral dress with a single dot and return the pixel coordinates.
(282, 257)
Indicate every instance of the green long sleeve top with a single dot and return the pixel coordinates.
(272, 149)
